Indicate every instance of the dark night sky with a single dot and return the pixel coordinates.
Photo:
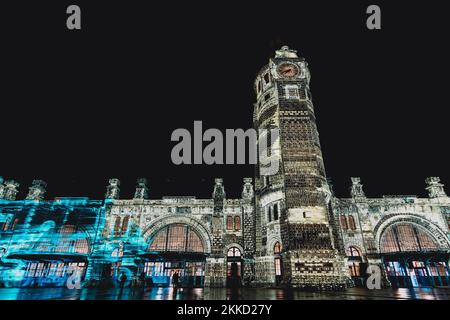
(81, 107)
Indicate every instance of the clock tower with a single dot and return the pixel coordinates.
(295, 233)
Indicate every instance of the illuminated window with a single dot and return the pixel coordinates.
(353, 252)
(125, 224)
(237, 223)
(277, 247)
(406, 237)
(229, 223)
(117, 227)
(234, 252)
(70, 240)
(351, 222)
(354, 270)
(277, 266)
(343, 221)
(178, 238)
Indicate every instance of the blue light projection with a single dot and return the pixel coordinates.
(44, 243)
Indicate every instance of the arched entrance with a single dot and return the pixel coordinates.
(176, 248)
(234, 267)
(356, 265)
(413, 257)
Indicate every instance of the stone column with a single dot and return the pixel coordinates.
(215, 270)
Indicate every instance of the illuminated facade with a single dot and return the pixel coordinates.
(286, 229)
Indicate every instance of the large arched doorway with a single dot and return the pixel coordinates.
(413, 257)
(175, 249)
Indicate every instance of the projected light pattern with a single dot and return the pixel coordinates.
(42, 243)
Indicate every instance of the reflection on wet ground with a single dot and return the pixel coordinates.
(220, 294)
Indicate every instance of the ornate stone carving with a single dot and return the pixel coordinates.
(141, 189)
(356, 189)
(37, 190)
(10, 191)
(113, 189)
(434, 187)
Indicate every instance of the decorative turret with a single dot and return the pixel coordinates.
(113, 189)
(247, 191)
(10, 191)
(434, 187)
(141, 189)
(218, 196)
(356, 190)
(37, 190)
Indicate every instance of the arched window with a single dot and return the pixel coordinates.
(71, 240)
(351, 222)
(277, 247)
(275, 211)
(269, 213)
(229, 223)
(353, 252)
(237, 223)
(406, 237)
(176, 238)
(343, 221)
(234, 252)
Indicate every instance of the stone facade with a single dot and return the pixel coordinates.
(286, 229)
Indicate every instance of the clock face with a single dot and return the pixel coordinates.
(288, 70)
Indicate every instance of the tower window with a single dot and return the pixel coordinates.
(269, 214)
(351, 222)
(343, 221)
(275, 211)
(266, 78)
(291, 92)
(229, 223)
(277, 247)
(237, 223)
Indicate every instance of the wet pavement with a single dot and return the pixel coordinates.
(220, 294)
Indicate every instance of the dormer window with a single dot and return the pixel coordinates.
(291, 92)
